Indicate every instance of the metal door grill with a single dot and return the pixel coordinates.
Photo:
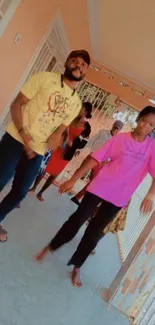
(135, 221)
(146, 315)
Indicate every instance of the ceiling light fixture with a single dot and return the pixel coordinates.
(152, 101)
(138, 92)
(108, 74)
(123, 84)
(94, 67)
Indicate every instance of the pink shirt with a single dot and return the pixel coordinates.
(130, 162)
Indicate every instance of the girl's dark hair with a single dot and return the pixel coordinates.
(88, 109)
(145, 111)
(87, 130)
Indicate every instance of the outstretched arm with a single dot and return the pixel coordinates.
(87, 165)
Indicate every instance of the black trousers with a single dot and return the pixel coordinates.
(14, 162)
(94, 231)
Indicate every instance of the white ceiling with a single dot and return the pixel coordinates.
(123, 37)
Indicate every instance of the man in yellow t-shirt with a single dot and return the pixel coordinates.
(46, 105)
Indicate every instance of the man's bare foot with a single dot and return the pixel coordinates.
(40, 197)
(32, 190)
(76, 281)
(42, 255)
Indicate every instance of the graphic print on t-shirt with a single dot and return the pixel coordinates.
(59, 107)
(58, 104)
(133, 154)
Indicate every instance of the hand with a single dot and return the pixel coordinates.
(69, 143)
(66, 186)
(26, 139)
(77, 153)
(54, 141)
(29, 152)
(147, 205)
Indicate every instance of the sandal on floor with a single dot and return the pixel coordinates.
(3, 232)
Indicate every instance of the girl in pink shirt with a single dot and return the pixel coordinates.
(132, 158)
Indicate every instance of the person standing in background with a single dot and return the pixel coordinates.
(100, 138)
(57, 164)
(45, 107)
(78, 124)
(59, 161)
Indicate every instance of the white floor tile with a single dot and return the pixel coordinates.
(43, 294)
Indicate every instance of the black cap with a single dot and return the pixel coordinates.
(80, 53)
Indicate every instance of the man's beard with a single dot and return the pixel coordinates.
(68, 75)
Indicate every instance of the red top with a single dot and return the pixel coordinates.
(74, 132)
(57, 163)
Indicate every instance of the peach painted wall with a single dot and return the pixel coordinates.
(32, 20)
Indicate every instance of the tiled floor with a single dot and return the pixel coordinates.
(32, 294)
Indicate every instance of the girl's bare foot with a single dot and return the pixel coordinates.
(76, 281)
(40, 197)
(42, 255)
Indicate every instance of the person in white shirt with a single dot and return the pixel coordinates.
(96, 142)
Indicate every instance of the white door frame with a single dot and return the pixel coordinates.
(8, 15)
(57, 21)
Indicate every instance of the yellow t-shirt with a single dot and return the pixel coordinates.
(50, 105)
